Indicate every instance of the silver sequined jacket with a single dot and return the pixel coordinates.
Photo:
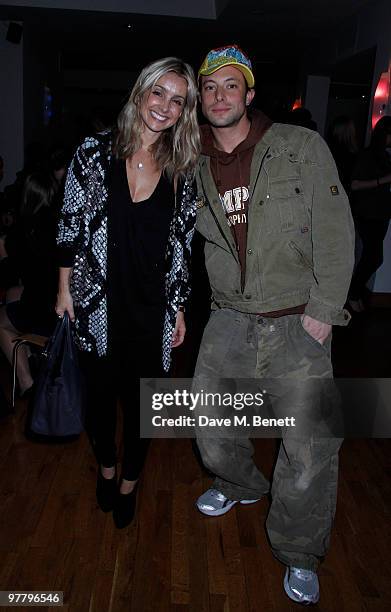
(82, 245)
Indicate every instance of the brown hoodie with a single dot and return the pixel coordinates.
(231, 173)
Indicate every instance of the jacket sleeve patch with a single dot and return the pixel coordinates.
(334, 190)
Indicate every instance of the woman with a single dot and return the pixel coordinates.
(371, 207)
(124, 244)
(342, 140)
(31, 250)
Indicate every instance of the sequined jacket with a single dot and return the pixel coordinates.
(82, 245)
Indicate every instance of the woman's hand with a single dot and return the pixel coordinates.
(179, 331)
(64, 301)
(65, 304)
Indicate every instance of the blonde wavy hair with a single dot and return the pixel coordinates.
(177, 149)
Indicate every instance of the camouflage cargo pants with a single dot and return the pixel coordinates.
(239, 345)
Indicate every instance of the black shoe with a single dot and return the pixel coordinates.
(124, 509)
(106, 491)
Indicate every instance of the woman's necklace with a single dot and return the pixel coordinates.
(145, 160)
(137, 166)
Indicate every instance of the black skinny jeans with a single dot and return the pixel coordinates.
(110, 379)
(372, 233)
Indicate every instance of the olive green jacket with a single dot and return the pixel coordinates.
(300, 244)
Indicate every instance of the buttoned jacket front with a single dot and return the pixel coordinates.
(300, 243)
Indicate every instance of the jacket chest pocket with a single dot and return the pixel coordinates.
(285, 209)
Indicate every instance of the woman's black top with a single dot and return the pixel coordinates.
(32, 247)
(345, 161)
(136, 267)
(372, 203)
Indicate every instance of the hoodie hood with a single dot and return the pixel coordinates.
(260, 123)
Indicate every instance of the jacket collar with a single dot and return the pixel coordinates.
(213, 199)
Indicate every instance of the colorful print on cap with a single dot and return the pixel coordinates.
(231, 55)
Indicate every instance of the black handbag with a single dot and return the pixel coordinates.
(57, 408)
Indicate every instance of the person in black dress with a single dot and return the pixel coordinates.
(342, 140)
(124, 245)
(371, 208)
(31, 248)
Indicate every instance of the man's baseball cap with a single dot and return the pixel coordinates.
(231, 55)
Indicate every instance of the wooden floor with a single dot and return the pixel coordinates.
(53, 536)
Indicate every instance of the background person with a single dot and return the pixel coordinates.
(31, 251)
(371, 207)
(342, 140)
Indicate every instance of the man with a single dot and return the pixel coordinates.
(279, 256)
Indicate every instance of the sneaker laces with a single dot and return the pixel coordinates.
(302, 574)
(218, 495)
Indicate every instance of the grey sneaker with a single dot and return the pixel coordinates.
(301, 585)
(214, 503)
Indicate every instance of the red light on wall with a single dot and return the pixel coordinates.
(381, 91)
(381, 97)
(297, 104)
